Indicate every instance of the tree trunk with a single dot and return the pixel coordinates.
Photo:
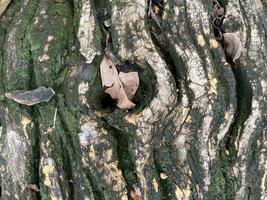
(198, 130)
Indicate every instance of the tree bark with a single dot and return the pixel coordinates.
(198, 130)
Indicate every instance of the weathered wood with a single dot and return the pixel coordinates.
(198, 130)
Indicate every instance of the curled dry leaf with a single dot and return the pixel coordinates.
(130, 82)
(108, 72)
(232, 46)
(29, 98)
(3, 6)
(114, 86)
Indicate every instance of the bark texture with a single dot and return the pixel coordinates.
(199, 127)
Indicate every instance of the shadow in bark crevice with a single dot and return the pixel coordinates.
(164, 164)
(126, 165)
(228, 150)
(160, 42)
(35, 153)
(244, 99)
(228, 147)
(163, 138)
(98, 193)
(122, 133)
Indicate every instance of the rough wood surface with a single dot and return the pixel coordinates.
(198, 130)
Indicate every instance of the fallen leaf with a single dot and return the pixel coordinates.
(130, 82)
(232, 46)
(113, 85)
(33, 188)
(108, 72)
(117, 92)
(29, 98)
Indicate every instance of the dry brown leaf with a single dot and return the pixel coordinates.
(232, 46)
(130, 82)
(108, 72)
(29, 98)
(113, 85)
(117, 92)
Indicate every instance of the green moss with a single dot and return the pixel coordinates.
(114, 36)
(57, 25)
(97, 36)
(217, 186)
(123, 132)
(96, 92)
(15, 115)
(125, 161)
(99, 10)
(147, 87)
(222, 74)
(196, 120)
(72, 161)
(222, 181)
(116, 121)
(53, 136)
(16, 109)
(20, 79)
(32, 130)
(19, 75)
(164, 162)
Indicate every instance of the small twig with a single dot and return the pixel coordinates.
(55, 118)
